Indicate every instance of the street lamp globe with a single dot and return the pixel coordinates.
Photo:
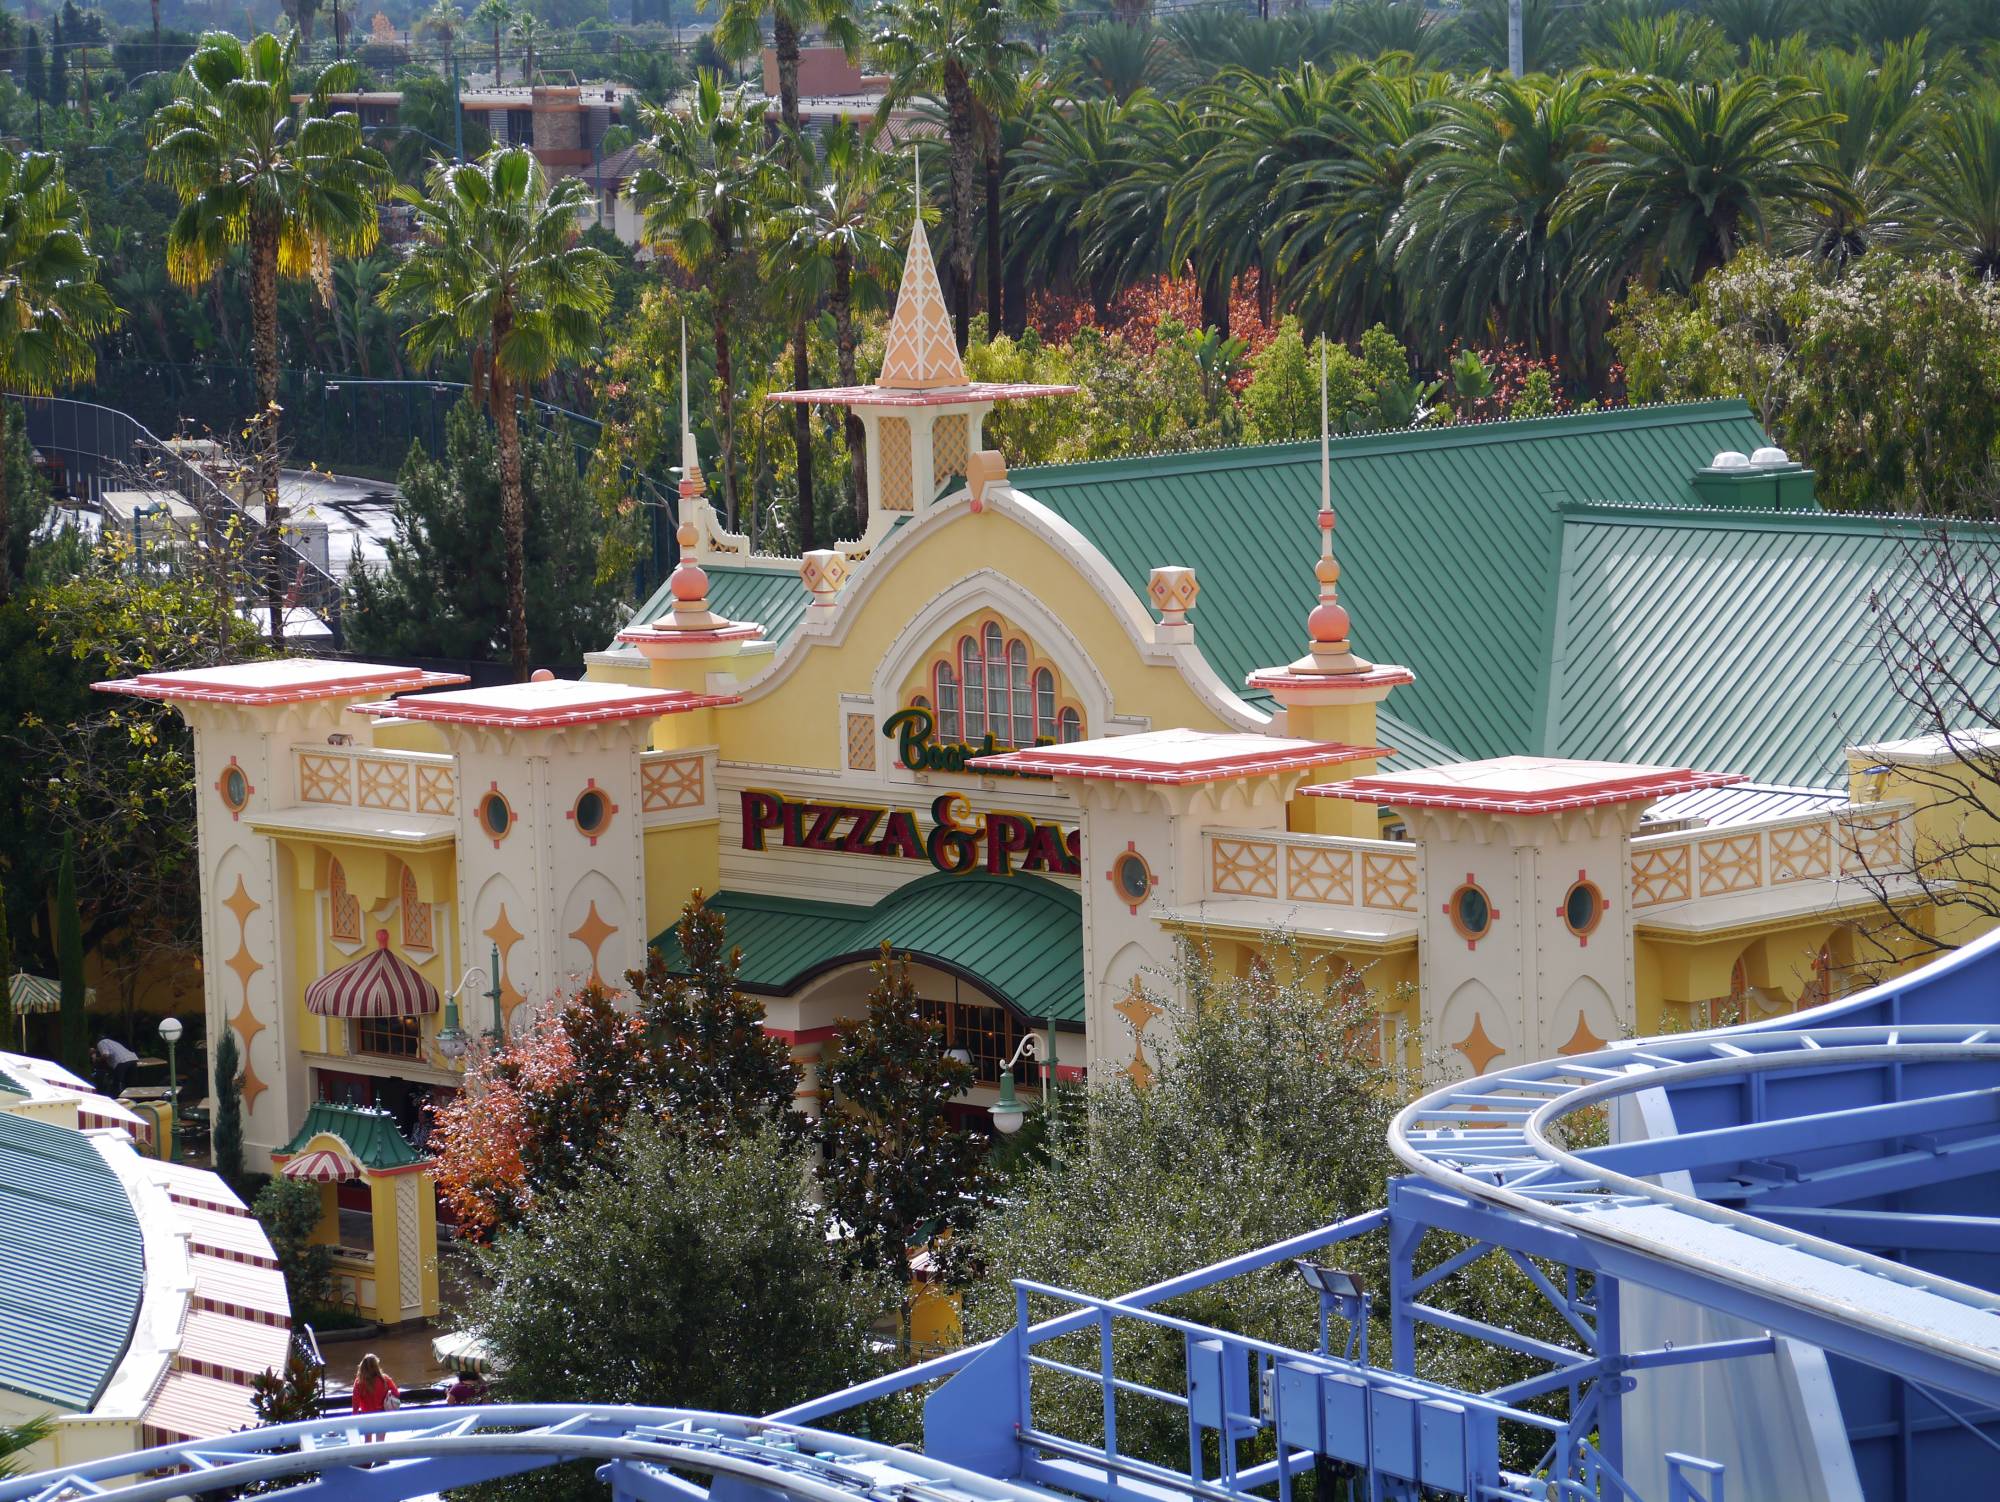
(170, 1030)
(1007, 1112)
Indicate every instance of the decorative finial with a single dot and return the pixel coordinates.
(1327, 626)
(688, 584)
(691, 481)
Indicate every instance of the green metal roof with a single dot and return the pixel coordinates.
(1725, 639)
(773, 598)
(72, 1266)
(371, 1135)
(1448, 543)
(1019, 937)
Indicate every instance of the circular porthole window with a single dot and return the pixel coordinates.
(592, 813)
(1583, 908)
(1471, 912)
(1131, 878)
(235, 788)
(496, 815)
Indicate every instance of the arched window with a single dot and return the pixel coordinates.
(989, 682)
(1024, 700)
(1045, 704)
(945, 682)
(972, 674)
(996, 681)
(416, 914)
(344, 908)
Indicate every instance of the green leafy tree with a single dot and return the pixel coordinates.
(290, 1395)
(962, 54)
(228, 1140)
(293, 183)
(428, 132)
(497, 274)
(58, 65)
(69, 967)
(52, 306)
(289, 1211)
(444, 20)
(1886, 381)
(1282, 396)
(676, 1273)
(895, 1166)
(707, 184)
(437, 593)
(7, 1037)
(722, 1074)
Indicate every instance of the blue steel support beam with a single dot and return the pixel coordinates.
(1891, 1230)
(1884, 1175)
(1714, 1290)
(1798, 1134)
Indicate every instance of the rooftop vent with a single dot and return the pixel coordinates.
(1767, 480)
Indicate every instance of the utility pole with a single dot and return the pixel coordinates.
(457, 112)
(1514, 38)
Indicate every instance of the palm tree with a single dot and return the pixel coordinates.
(1114, 60)
(1356, 171)
(957, 53)
(1674, 46)
(1129, 234)
(1479, 36)
(1954, 179)
(497, 14)
(497, 271)
(739, 31)
(1223, 215)
(17, 1439)
(1474, 240)
(51, 304)
(838, 238)
(706, 184)
(444, 21)
(1878, 110)
(1690, 172)
(528, 34)
(293, 182)
(1072, 155)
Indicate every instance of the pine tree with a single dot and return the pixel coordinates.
(69, 966)
(896, 1167)
(34, 67)
(6, 972)
(722, 1074)
(228, 1143)
(58, 89)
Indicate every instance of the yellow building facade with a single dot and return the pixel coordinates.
(971, 735)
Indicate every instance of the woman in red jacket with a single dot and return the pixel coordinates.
(375, 1391)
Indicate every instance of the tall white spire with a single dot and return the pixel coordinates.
(691, 481)
(1330, 654)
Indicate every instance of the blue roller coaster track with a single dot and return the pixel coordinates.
(1773, 1252)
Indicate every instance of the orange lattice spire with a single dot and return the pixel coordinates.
(920, 353)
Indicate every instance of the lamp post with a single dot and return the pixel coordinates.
(453, 1041)
(1008, 1112)
(170, 1030)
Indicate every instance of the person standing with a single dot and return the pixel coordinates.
(375, 1391)
(118, 1060)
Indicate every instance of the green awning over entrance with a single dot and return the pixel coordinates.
(1019, 938)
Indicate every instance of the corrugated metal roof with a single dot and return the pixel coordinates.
(1017, 936)
(1448, 542)
(372, 1135)
(1743, 803)
(1737, 641)
(72, 1266)
(192, 1407)
(773, 598)
(1414, 750)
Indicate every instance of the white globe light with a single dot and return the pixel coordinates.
(170, 1029)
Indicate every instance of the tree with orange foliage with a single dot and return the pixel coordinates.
(694, 1056)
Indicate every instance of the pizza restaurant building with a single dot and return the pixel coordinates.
(1038, 768)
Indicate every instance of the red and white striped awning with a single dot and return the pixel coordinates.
(379, 984)
(323, 1166)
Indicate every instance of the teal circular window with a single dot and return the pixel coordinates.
(235, 789)
(1471, 911)
(1132, 877)
(496, 815)
(592, 812)
(1583, 908)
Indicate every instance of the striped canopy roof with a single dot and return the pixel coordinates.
(35, 993)
(379, 984)
(323, 1166)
